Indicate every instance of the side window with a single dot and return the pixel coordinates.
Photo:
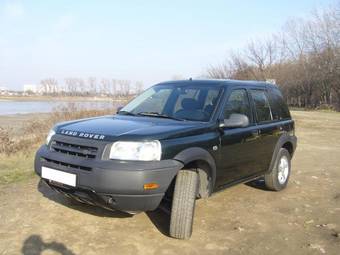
(278, 105)
(262, 107)
(237, 103)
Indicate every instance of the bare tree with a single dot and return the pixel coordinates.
(71, 86)
(49, 86)
(92, 85)
(304, 59)
(114, 83)
(105, 89)
(124, 87)
(138, 87)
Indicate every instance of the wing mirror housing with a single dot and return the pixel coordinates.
(235, 120)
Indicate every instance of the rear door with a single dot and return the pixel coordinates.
(269, 129)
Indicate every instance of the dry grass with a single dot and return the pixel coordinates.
(17, 150)
(5, 141)
(34, 132)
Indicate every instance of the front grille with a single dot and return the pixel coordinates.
(74, 149)
(59, 163)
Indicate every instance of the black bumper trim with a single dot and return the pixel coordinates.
(121, 181)
(126, 203)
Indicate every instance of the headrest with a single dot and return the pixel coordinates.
(189, 104)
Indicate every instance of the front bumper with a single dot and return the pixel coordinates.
(112, 184)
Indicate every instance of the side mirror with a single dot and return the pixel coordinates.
(119, 108)
(236, 120)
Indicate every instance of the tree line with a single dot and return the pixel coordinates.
(303, 59)
(91, 86)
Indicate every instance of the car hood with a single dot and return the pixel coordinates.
(111, 128)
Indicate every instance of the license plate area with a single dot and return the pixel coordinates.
(54, 175)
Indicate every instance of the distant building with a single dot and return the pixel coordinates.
(3, 89)
(31, 88)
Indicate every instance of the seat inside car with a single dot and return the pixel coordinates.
(190, 110)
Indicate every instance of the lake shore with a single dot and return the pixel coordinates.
(11, 107)
(58, 98)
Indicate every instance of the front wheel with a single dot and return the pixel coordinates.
(183, 204)
(278, 178)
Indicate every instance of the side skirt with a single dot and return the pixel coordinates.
(243, 180)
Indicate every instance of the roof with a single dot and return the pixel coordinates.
(219, 82)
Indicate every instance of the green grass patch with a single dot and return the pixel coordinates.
(16, 167)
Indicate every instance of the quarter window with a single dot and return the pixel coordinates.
(278, 106)
(237, 103)
(262, 107)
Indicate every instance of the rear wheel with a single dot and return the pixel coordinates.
(278, 178)
(183, 204)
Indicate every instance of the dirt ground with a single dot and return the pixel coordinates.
(245, 219)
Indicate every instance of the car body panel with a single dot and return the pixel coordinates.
(232, 154)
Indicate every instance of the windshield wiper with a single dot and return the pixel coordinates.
(126, 113)
(158, 115)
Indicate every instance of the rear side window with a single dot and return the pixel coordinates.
(261, 104)
(279, 107)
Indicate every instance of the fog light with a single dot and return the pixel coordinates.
(148, 186)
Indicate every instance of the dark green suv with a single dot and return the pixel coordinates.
(176, 142)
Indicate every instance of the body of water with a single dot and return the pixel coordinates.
(24, 107)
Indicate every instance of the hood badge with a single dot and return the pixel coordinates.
(82, 134)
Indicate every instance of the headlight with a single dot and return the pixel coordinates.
(144, 151)
(49, 136)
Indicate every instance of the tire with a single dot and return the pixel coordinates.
(278, 177)
(183, 204)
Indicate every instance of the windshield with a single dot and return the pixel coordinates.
(196, 103)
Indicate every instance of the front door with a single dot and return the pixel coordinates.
(237, 158)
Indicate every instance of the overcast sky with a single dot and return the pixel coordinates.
(148, 41)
